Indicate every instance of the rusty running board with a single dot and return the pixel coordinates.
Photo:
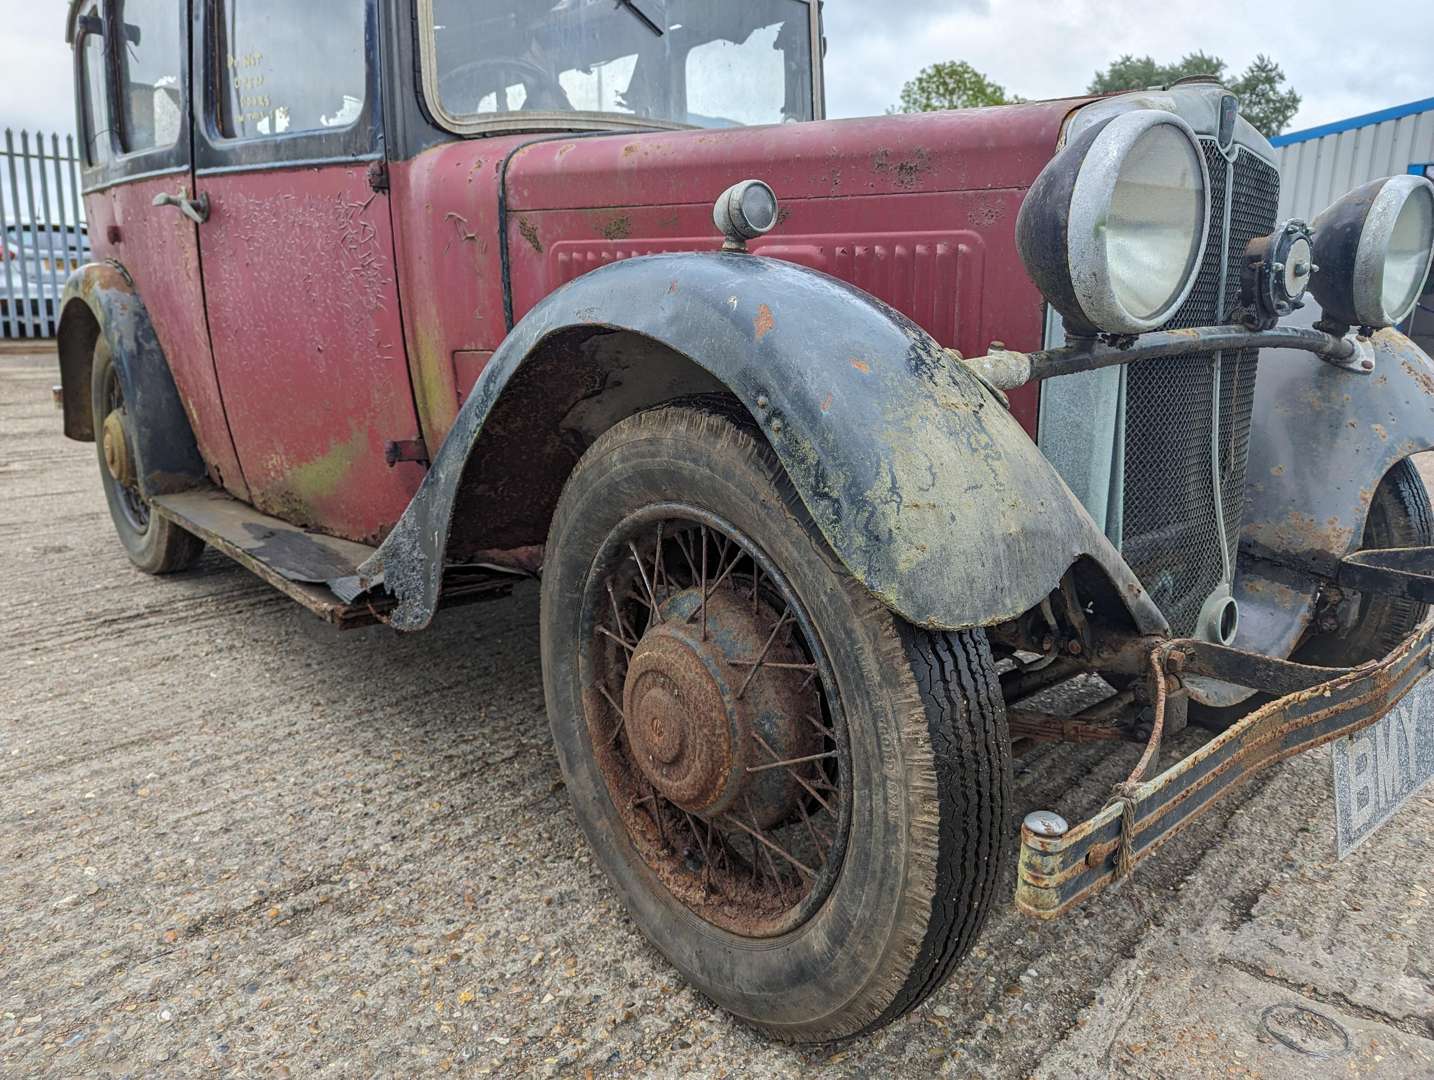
(1058, 872)
(302, 565)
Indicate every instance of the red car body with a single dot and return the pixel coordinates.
(400, 292)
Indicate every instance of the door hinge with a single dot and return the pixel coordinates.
(397, 450)
(378, 175)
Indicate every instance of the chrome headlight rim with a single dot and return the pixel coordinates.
(1061, 235)
(1351, 246)
(1371, 256)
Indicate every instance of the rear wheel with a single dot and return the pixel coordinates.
(800, 798)
(154, 544)
(1399, 516)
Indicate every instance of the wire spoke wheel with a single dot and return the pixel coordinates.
(119, 455)
(799, 797)
(712, 715)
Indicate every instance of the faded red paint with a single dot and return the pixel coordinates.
(307, 340)
(445, 213)
(917, 210)
(304, 270)
(159, 250)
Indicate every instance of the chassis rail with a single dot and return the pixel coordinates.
(1058, 872)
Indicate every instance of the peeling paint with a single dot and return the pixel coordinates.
(907, 172)
(618, 228)
(529, 232)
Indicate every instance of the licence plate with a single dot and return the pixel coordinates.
(1377, 770)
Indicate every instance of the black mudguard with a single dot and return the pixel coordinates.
(927, 489)
(1322, 438)
(100, 305)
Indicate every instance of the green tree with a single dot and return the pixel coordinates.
(1264, 99)
(951, 84)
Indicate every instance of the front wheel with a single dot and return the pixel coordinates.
(800, 798)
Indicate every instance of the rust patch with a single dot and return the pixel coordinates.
(1380, 430)
(672, 289)
(827, 402)
(1419, 375)
(861, 366)
(764, 323)
(619, 228)
(906, 172)
(984, 215)
(630, 149)
(1278, 470)
(530, 234)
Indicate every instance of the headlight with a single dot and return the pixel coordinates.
(1113, 229)
(1373, 248)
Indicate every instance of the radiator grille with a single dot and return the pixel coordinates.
(1253, 208)
(1170, 532)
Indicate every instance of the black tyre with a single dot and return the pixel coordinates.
(154, 544)
(1399, 516)
(800, 798)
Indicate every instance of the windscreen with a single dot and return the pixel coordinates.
(695, 62)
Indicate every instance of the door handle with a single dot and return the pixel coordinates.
(196, 210)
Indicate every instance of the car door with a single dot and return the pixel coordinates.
(299, 262)
(132, 68)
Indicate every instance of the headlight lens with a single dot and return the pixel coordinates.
(1374, 247)
(1407, 261)
(1113, 229)
(1153, 232)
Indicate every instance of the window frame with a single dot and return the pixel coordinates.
(214, 152)
(139, 164)
(502, 123)
(120, 124)
(83, 90)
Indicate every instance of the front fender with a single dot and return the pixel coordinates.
(100, 305)
(926, 488)
(1322, 439)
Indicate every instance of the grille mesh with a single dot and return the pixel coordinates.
(1253, 209)
(1170, 535)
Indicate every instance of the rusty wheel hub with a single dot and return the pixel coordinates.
(700, 727)
(713, 724)
(116, 448)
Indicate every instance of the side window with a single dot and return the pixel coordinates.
(151, 59)
(287, 67)
(94, 103)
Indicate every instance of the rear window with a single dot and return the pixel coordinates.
(151, 58)
(93, 100)
(286, 67)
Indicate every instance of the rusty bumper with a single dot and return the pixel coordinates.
(1058, 872)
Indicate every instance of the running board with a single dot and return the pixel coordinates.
(300, 564)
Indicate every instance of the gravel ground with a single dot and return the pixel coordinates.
(234, 841)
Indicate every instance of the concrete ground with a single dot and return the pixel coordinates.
(233, 841)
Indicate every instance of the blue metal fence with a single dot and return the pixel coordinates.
(43, 235)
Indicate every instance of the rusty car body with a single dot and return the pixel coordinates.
(966, 404)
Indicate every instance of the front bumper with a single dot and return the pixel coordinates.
(1058, 872)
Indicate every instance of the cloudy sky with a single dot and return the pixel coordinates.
(1037, 48)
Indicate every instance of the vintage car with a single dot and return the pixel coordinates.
(831, 442)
